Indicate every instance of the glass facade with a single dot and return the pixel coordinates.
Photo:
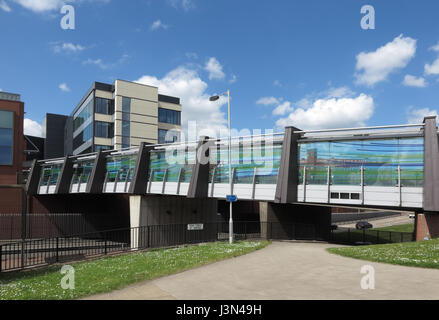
(179, 160)
(82, 171)
(104, 129)
(169, 116)
(379, 159)
(258, 161)
(104, 106)
(83, 136)
(102, 148)
(85, 114)
(49, 175)
(120, 168)
(126, 126)
(168, 136)
(6, 137)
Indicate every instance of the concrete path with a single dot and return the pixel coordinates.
(286, 270)
(385, 222)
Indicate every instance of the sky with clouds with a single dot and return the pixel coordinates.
(303, 63)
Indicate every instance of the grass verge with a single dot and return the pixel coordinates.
(398, 228)
(423, 254)
(111, 273)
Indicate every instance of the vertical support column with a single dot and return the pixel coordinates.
(199, 185)
(286, 189)
(34, 179)
(140, 176)
(431, 165)
(65, 177)
(97, 176)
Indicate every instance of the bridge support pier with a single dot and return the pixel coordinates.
(293, 221)
(168, 217)
(426, 226)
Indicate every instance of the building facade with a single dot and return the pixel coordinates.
(121, 116)
(11, 138)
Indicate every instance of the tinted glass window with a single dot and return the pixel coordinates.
(6, 137)
(126, 104)
(169, 116)
(104, 106)
(104, 129)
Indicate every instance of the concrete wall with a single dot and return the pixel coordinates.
(156, 211)
(291, 221)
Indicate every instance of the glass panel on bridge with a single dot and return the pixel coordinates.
(50, 174)
(259, 161)
(120, 167)
(380, 159)
(82, 171)
(174, 161)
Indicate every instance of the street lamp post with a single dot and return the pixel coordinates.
(215, 98)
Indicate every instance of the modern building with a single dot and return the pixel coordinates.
(120, 116)
(54, 135)
(11, 138)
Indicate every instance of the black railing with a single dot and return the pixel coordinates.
(352, 236)
(41, 226)
(60, 249)
(34, 253)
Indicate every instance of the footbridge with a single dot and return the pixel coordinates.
(393, 167)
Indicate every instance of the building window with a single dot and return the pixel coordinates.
(169, 116)
(6, 137)
(83, 137)
(104, 106)
(83, 116)
(126, 104)
(126, 109)
(104, 129)
(168, 136)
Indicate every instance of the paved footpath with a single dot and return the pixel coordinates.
(286, 270)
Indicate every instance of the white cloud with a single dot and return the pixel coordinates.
(64, 87)
(41, 6)
(67, 47)
(268, 101)
(4, 6)
(186, 84)
(374, 67)
(233, 79)
(32, 128)
(432, 69)
(186, 5)
(277, 83)
(215, 69)
(417, 115)
(330, 113)
(283, 109)
(158, 24)
(435, 47)
(104, 66)
(412, 81)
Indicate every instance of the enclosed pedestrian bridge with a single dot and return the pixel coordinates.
(388, 166)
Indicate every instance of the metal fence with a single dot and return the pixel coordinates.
(39, 252)
(352, 236)
(60, 249)
(40, 226)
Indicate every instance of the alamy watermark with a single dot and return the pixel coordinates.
(68, 280)
(368, 280)
(68, 20)
(368, 20)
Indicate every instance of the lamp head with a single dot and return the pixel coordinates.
(214, 98)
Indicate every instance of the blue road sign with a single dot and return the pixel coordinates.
(231, 198)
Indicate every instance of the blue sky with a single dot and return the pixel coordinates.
(302, 63)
